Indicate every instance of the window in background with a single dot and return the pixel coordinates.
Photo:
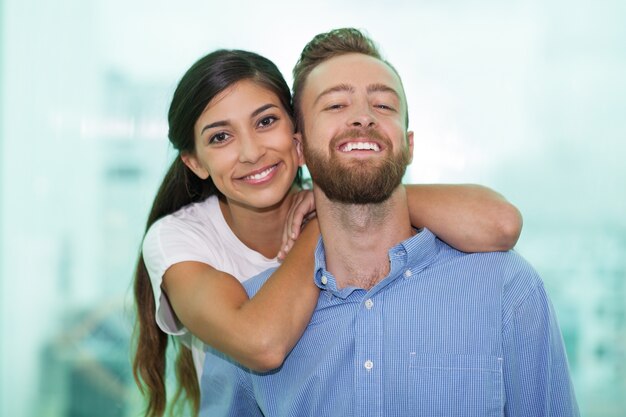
(526, 98)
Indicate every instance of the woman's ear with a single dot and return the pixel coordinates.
(194, 165)
(297, 138)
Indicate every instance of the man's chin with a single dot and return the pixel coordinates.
(363, 164)
(359, 197)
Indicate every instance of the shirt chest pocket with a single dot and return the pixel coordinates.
(456, 385)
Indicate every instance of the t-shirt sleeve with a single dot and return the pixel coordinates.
(167, 242)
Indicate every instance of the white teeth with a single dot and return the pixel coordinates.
(361, 145)
(260, 175)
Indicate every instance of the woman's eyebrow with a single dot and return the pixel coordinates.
(221, 123)
(215, 124)
(262, 109)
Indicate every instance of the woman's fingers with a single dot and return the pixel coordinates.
(303, 210)
(300, 212)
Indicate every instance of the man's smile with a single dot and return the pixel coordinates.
(368, 146)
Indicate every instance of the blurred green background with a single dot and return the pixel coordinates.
(526, 97)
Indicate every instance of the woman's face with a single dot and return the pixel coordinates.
(244, 140)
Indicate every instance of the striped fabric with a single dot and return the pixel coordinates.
(445, 334)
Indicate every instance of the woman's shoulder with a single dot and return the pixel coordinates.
(193, 224)
(195, 216)
(188, 234)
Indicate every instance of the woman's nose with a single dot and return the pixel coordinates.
(252, 149)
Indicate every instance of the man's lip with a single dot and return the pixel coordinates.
(257, 171)
(360, 140)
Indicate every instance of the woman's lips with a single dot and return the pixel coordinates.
(260, 175)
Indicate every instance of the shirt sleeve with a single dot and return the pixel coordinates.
(536, 374)
(167, 242)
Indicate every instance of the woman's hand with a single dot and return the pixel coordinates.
(302, 210)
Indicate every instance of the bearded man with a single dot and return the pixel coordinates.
(405, 325)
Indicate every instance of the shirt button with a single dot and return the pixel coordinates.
(368, 365)
(408, 273)
(324, 280)
(369, 303)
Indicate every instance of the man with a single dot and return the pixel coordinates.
(405, 325)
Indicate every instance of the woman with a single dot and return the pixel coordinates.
(219, 217)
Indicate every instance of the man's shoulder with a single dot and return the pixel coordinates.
(509, 269)
(509, 262)
(506, 275)
(255, 283)
(519, 278)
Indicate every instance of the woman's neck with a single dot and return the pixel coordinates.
(260, 230)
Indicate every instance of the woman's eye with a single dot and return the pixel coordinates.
(267, 121)
(384, 107)
(335, 107)
(219, 137)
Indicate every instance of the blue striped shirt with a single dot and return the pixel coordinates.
(446, 333)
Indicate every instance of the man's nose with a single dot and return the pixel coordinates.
(362, 116)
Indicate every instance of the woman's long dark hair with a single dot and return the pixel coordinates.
(205, 79)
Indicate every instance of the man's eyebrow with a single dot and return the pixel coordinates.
(334, 89)
(255, 113)
(375, 88)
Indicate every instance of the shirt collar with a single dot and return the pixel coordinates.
(413, 255)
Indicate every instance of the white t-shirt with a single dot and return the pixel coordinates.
(196, 232)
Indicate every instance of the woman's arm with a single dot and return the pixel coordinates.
(471, 218)
(257, 332)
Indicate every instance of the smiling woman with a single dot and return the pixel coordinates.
(245, 143)
(194, 234)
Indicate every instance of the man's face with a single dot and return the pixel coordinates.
(355, 142)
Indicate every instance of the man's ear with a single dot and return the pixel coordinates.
(297, 138)
(194, 165)
(409, 139)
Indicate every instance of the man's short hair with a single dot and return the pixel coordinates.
(323, 47)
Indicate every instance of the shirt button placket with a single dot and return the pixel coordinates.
(368, 340)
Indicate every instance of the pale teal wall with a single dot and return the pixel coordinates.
(2, 240)
(527, 97)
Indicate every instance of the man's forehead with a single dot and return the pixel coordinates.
(352, 70)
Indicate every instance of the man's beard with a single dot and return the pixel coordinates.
(360, 181)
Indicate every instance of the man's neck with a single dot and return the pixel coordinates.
(357, 237)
